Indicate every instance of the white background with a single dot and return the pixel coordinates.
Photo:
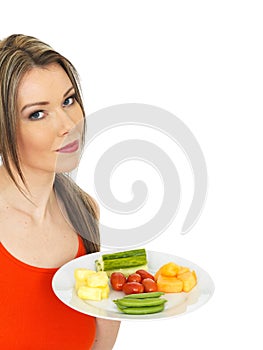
(202, 61)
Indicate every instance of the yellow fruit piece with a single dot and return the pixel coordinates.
(93, 293)
(81, 275)
(169, 284)
(91, 285)
(170, 270)
(89, 293)
(105, 291)
(98, 279)
(189, 280)
(183, 269)
(79, 284)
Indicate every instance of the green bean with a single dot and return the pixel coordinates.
(132, 302)
(120, 307)
(144, 295)
(142, 310)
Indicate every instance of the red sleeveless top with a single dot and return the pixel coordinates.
(31, 316)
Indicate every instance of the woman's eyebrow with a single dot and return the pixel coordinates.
(68, 91)
(44, 103)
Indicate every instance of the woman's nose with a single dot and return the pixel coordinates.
(64, 122)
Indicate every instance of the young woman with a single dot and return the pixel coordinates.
(45, 218)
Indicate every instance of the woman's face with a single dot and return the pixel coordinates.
(50, 121)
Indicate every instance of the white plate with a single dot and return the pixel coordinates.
(177, 304)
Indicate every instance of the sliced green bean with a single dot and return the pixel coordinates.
(142, 310)
(132, 302)
(144, 295)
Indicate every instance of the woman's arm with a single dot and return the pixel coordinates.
(106, 334)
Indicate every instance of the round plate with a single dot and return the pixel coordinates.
(177, 303)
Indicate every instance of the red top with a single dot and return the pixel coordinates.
(31, 316)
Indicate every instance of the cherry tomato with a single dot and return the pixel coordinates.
(149, 285)
(117, 280)
(134, 277)
(132, 288)
(145, 274)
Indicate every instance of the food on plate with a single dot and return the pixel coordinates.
(169, 284)
(173, 278)
(170, 278)
(126, 271)
(140, 305)
(98, 279)
(126, 262)
(132, 302)
(93, 293)
(142, 310)
(189, 280)
(144, 274)
(117, 280)
(149, 285)
(132, 288)
(81, 275)
(134, 283)
(134, 277)
(91, 285)
(144, 295)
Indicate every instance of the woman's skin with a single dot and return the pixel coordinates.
(49, 136)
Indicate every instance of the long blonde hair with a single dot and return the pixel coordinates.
(18, 54)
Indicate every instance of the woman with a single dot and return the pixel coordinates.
(45, 218)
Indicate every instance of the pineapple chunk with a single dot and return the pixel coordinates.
(91, 285)
(81, 275)
(93, 293)
(89, 293)
(105, 291)
(98, 279)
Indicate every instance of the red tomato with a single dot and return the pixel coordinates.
(145, 274)
(134, 277)
(132, 288)
(149, 285)
(117, 280)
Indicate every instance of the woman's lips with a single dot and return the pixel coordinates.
(70, 147)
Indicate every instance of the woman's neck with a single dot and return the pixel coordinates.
(36, 198)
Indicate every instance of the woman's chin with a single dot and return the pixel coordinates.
(66, 166)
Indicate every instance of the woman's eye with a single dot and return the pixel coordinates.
(37, 115)
(69, 101)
